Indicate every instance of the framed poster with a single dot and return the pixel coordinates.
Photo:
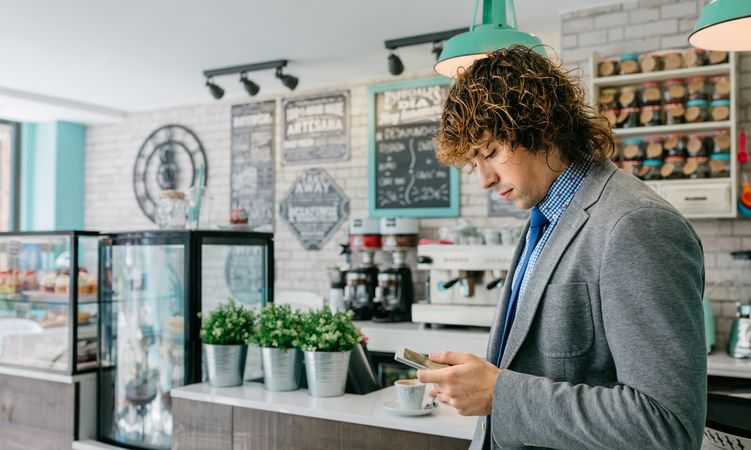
(316, 129)
(404, 177)
(252, 162)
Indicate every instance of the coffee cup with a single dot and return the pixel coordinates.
(409, 393)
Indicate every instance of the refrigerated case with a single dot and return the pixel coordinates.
(154, 284)
(43, 307)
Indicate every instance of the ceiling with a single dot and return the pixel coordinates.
(95, 60)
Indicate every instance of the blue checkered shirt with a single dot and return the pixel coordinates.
(553, 206)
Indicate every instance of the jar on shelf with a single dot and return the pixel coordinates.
(674, 91)
(674, 145)
(672, 60)
(718, 57)
(631, 167)
(608, 98)
(633, 149)
(697, 111)
(629, 63)
(698, 88)
(627, 97)
(628, 118)
(719, 110)
(694, 57)
(720, 86)
(611, 115)
(608, 67)
(721, 142)
(696, 168)
(650, 170)
(650, 93)
(697, 145)
(675, 113)
(171, 210)
(652, 116)
(672, 169)
(654, 149)
(650, 62)
(719, 165)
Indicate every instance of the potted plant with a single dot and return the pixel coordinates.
(278, 334)
(328, 339)
(225, 333)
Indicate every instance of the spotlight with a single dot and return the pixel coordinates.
(216, 91)
(395, 65)
(287, 80)
(437, 49)
(250, 87)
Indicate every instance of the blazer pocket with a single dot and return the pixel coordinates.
(565, 327)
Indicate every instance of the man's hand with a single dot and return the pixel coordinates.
(467, 385)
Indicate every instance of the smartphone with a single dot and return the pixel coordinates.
(416, 360)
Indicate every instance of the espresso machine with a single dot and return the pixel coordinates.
(361, 282)
(395, 291)
(464, 283)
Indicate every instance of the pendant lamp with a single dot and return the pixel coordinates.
(496, 32)
(723, 25)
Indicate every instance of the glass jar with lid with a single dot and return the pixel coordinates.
(721, 142)
(628, 118)
(698, 88)
(694, 57)
(171, 210)
(674, 145)
(633, 149)
(608, 98)
(651, 116)
(674, 91)
(720, 86)
(608, 67)
(675, 113)
(672, 169)
(697, 145)
(654, 148)
(650, 170)
(650, 62)
(697, 111)
(627, 97)
(719, 165)
(631, 167)
(717, 57)
(672, 59)
(612, 116)
(629, 63)
(650, 93)
(719, 110)
(696, 167)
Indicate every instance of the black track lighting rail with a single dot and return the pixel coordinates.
(393, 44)
(276, 64)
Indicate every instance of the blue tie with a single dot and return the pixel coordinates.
(537, 222)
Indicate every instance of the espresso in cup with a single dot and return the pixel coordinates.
(409, 393)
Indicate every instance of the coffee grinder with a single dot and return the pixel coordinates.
(395, 292)
(359, 290)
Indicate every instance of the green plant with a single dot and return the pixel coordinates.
(323, 331)
(227, 324)
(278, 327)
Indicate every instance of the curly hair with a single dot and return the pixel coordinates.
(521, 98)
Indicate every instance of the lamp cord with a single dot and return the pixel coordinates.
(474, 16)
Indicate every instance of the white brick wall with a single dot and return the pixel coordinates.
(663, 24)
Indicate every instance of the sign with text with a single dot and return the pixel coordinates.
(316, 129)
(405, 177)
(314, 208)
(252, 163)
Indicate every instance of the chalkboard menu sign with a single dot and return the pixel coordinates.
(252, 163)
(498, 207)
(314, 208)
(316, 129)
(405, 179)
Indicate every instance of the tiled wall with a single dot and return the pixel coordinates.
(648, 25)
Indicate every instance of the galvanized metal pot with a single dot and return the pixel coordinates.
(327, 373)
(281, 368)
(225, 364)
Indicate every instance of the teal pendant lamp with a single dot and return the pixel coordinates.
(496, 32)
(723, 25)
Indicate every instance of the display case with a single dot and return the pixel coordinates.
(154, 284)
(48, 300)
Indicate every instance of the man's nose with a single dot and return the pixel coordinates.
(486, 176)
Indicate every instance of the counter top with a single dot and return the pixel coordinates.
(43, 375)
(723, 365)
(357, 409)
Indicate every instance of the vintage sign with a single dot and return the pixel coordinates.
(316, 129)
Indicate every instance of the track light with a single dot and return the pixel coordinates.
(250, 87)
(437, 49)
(395, 65)
(287, 80)
(216, 91)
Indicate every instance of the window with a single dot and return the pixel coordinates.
(9, 174)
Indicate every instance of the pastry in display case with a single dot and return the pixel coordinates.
(154, 284)
(42, 310)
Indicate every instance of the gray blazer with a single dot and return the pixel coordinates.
(607, 349)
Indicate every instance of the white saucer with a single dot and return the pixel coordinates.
(393, 406)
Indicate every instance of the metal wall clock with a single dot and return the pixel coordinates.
(168, 159)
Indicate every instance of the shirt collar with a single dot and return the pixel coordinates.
(563, 189)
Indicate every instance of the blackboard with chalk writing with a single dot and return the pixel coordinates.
(405, 179)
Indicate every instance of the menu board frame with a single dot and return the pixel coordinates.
(374, 211)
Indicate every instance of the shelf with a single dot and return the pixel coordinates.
(688, 182)
(46, 297)
(624, 80)
(720, 364)
(683, 128)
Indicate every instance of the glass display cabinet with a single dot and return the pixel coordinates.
(48, 300)
(154, 284)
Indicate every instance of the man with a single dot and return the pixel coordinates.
(598, 340)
